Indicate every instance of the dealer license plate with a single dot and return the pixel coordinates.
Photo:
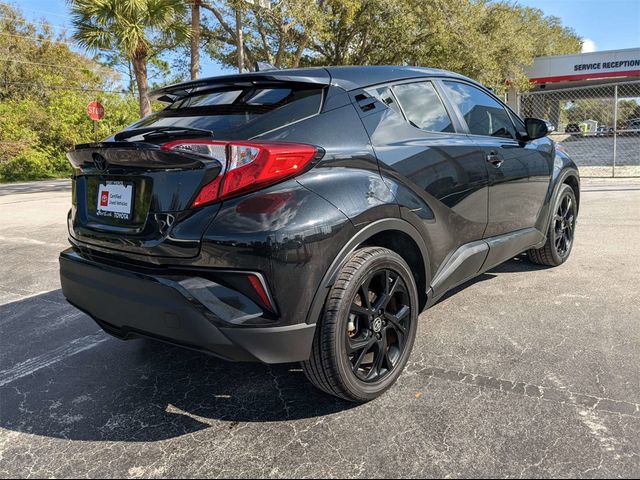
(115, 200)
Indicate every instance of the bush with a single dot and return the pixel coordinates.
(44, 93)
(36, 134)
(34, 164)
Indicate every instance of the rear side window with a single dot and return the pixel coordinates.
(242, 112)
(484, 115)
(423, 107)
(385, 96)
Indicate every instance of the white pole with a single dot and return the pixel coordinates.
(615, 130)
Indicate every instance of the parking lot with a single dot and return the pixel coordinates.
(594, 155)
(524, 372)
(597, 151)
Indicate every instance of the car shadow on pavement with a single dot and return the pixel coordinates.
(139, 390)
(517, 264)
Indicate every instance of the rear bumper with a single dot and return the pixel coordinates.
(190, 312)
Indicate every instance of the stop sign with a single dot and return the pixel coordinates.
(95, 111)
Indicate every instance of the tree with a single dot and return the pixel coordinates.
(44, 90)
(136, 28)
(628, 109)
(487, 40)
(32, 59)
(157, 69)
(278, 33)
(195, 39)
(580, 109)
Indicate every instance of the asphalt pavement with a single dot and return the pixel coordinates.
(597, 151)
(524, 372)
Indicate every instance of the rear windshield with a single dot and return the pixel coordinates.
(239, 112)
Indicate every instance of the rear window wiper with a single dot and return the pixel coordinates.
(162, 132)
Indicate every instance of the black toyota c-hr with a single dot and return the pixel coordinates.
(310, 215)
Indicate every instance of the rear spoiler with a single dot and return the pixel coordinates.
(135, 154)
(316, 76)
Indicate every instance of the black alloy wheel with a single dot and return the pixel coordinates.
(365, 336)
(561, 231)
(379, 322)
(564, 225)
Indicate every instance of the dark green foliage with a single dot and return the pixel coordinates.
(43, 102)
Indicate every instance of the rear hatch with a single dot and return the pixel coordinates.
(133, 195)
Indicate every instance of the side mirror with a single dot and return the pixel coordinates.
(536, 128)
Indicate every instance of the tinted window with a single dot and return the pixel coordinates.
(483, 114)
(238, 113)
(423, 106)
(385, 96)
(211, 98)
(268, 96)
(518, 122)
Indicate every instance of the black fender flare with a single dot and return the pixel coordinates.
(558, 181)
(365, 233)
(562, 177)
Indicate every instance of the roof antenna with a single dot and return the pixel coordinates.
(264, 67)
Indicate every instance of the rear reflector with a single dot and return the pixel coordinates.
(247, 166)
(260, 290)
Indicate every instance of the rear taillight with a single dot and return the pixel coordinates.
(247, 166)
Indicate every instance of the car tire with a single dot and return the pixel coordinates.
(363, 341)
(561, 231)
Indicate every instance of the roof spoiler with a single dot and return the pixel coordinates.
(265, 67)
(316, 76)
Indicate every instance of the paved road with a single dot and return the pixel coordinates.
(524, 372)
(593, 151)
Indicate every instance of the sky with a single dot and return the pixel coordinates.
(603, 24)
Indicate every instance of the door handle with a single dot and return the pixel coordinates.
(494, 159)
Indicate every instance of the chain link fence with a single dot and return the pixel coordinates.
(598, 126)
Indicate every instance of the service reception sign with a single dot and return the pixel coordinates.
(583, 66)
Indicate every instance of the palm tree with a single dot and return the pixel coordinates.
(133, 27)
(195, 39)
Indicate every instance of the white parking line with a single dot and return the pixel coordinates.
(54, 356)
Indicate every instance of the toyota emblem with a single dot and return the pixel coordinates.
(100, 162)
